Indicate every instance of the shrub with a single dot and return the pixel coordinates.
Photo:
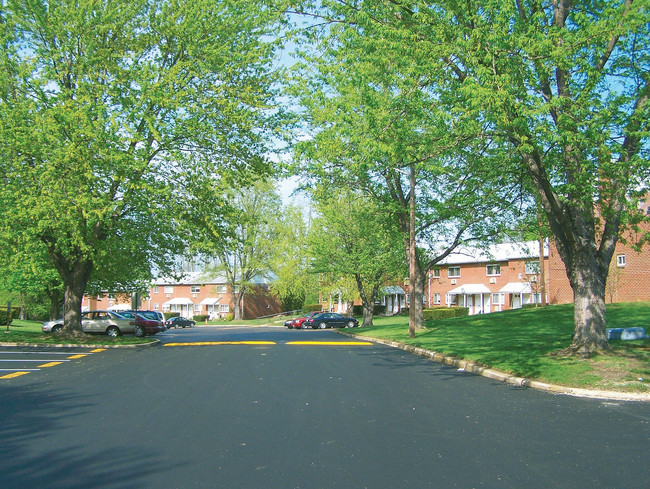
(200, 318)
(15, 311)
(307, 308)
(230, 316)
(404, 311)
(443, 312)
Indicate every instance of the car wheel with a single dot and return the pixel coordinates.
(350, 324)
(57, 328)
(192, 325)
(113, 331)
(139, 331)
(322, 325)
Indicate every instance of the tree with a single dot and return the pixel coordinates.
(351, 237)
(244, 245)
(567, 87)
(292, 283)
(561, 87)
(379, 124)
(110, 109)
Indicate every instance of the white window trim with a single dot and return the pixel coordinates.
(449, 269)
(487, 270)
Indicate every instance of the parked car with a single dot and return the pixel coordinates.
(101, 322)
(297, 322)
(145, 322)
(330, 320)
(179, 322)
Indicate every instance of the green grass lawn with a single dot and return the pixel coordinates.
(522, 342)
(30, 332)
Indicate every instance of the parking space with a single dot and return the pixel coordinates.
(19, 361)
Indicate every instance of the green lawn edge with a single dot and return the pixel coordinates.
(522, 343)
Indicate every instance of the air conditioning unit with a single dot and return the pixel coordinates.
(453, 281)
(194, 296)
(533, 278)
(493, 280)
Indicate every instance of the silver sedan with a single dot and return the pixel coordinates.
(102, 322)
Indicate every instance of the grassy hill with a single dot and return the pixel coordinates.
(523, 342)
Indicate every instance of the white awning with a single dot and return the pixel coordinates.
(516, 288)
(210, 301)
(179, 301)
(470, 289)
(393, 290)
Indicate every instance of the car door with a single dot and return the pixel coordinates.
(337, 321)
(89, 322)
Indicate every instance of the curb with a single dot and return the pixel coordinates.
(477, 369)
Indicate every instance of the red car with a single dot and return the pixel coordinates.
(297, 323)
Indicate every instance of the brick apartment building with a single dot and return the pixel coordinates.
(195, 294)
(508, 276)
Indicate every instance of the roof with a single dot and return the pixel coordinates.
(393, 290)
(179, 301)
(495, 253)
(516, 288)
(470, 289)
(201, 278)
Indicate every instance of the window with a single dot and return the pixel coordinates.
(110, 296)
(155, 289)
(156, 306)
(453, 272)
(169, 289)
(451, 299)
(222, 289)
(435, 273)
(498, 299)
(620, 260)
(223, 308)
(532, 268)
(493, 270)
(195, 289)
(436, 298)
(197, 308)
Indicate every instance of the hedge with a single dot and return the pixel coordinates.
(443, 312)
(15, 311)
(200, 318)
(376, 310)
(312, 307)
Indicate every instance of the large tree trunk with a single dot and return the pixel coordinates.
(75, 273)
(368, 302)
(588, 284)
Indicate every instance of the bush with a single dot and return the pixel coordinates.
(15, 311)
(230, 316)
(443, 312)
(307, 308)
(404, 311)
(200, 318)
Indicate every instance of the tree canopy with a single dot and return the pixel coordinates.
(114, 109)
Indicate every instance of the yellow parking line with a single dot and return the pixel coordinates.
(330, 343)
(204, 343)
(50, 364)
(74, 357)
(15, 374)
(98, 350)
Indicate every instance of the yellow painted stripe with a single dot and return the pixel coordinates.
(51, 364)
(204, 343)
(15, 374)
(74, 357)
(330, 343)
(98, 350)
